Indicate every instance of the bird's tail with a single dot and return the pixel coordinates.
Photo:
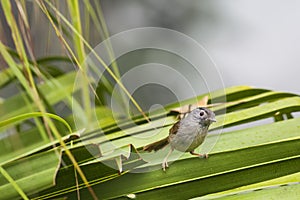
(156, 145)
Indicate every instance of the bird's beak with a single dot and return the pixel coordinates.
(212, 120)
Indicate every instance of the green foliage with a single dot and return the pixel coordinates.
(251, 159)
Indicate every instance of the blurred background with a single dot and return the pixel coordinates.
(254, 43)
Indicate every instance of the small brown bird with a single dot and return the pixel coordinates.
(186, 135)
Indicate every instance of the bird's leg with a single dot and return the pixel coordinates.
(165, 162)
(199, 155)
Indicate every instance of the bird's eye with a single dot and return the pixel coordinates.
(201, 113)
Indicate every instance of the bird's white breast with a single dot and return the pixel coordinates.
(188, 138)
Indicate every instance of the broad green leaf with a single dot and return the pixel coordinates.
(106, 171)
(253, 191)
(32, 174)
(241, 160)
(290, 191)
(251, 151)
(220, 172)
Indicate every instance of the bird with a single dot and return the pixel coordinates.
(186, 134)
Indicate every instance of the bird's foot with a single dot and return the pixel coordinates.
(205, 155)
(164, 165)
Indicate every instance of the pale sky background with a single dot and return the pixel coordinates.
(252, 42)
(262, 47)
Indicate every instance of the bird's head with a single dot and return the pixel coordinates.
(203, 116)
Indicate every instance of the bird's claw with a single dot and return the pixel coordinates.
(164, 166)
(205, 155)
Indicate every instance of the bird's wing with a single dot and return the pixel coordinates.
(174, 128)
